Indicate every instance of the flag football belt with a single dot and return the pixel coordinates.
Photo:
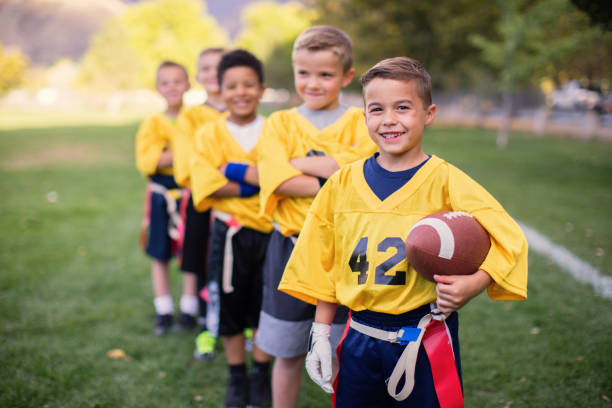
(433, 334)
(171, 196)
(233, 227)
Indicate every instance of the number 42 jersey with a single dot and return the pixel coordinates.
(352, 247)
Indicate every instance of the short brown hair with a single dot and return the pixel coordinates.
(402, 69)
(167, 64)
(322, 37)
(215, 50)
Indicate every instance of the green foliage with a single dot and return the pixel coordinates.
(75, 284)
(433, 34)
(269, 30)
(125, 54)
(267, 24)
(532, 37)
(13, 65)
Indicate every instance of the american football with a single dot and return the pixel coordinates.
(447, 243)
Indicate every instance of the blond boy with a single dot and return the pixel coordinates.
(299, 149)
(154, 159)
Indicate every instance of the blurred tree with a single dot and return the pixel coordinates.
(269, 30)
(599, 11)
(532, 36)
(127, 51)
(267, 24)
(13, 65)
(435, 35)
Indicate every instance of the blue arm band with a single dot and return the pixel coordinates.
(247, 190)
(236, 171)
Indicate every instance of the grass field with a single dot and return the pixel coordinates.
(75, 285)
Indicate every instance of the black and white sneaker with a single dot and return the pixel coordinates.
(260, 392)
(163, 324)
(237, 391)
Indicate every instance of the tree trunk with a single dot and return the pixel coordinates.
(504, 130)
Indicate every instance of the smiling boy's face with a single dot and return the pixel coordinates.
(396, 118)
(172, 83)
(241, 92)
(319, 77)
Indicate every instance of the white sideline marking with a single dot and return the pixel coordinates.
(582, 271)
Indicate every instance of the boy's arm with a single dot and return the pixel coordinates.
(319, 362)
(273, 164)
(165, 159)
(325, 312)
(299, 186)
(251, 175)
(317, 166)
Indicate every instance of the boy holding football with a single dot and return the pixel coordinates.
(300, 148)
(224, 176)
(155, 143)
(352, 252)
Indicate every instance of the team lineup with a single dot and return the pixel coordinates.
(307, 238)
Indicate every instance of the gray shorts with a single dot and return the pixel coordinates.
(284, 322)
(282, 338)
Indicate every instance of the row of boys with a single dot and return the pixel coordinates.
(260, 177)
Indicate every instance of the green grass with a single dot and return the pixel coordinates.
(75, 284)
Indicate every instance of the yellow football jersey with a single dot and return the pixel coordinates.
(288, 135)
(189, 122)
(216, 146)
(352, 247)
(155, 134)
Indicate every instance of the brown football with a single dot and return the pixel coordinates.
(447, 243)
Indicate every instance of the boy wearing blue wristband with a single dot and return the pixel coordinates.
(224, 177)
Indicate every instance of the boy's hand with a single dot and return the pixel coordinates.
(319, 357)
(454, 291)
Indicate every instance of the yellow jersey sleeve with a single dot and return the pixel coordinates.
(273, 161)
(189, 122)
(308, 275)
(153, 137)
(205, 163)
(506, 261)
(215, 146)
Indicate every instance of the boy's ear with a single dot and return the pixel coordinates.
(348, 77)
(431, 114)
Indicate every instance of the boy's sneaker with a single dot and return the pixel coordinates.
(186, 322)
(260, 391)
(163, 324)
(205, 346)
(248, 339)
(237, 391)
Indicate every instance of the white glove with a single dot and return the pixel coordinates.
(319, 357)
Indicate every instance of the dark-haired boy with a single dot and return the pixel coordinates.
(300, 149)
(352, 252)
(154, 158)
(224, 176)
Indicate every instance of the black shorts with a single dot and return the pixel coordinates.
(239, 292)
(195, 242)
